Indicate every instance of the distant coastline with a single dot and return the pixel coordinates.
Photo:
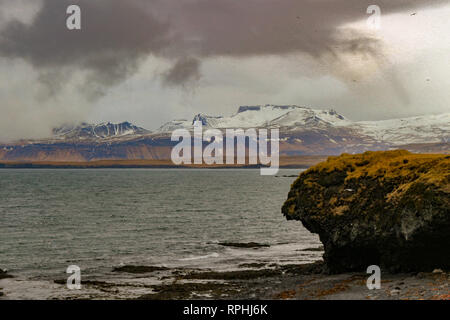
(294, 162)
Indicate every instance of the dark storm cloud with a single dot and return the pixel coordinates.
(117, 35)
(253, 27)
(184, 70)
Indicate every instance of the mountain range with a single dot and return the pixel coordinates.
(303, 131)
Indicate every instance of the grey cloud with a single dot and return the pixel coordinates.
(254, 27)
(117, 35)
(184, 71)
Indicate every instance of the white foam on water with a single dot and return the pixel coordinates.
(153, 223)
(212, 255)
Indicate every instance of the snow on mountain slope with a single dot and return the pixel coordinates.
(300, 118)
(303, 131)
(422, 129)
(293, 121)
(98, 131)
(263, 116)
(174, 125)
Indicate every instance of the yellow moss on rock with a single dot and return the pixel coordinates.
(426, 168)
(390, 208)
(338, 211)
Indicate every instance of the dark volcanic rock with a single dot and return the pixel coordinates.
(313, 249)
(4, 274)
(385, 208)
(139, 269)
(253, 245)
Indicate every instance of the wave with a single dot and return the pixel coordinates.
(211, 255)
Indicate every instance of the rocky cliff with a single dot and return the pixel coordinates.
(390, 209)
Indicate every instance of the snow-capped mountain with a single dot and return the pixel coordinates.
(303, 131)
(268, 116)
(423, 129)
(98, 131)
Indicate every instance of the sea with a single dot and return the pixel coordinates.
(99, 219)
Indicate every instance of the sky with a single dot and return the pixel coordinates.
(151, 61)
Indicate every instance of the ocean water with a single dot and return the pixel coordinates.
(102, 218)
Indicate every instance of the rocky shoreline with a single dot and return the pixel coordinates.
(380, 208)
(261, 281)
(303, 282)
